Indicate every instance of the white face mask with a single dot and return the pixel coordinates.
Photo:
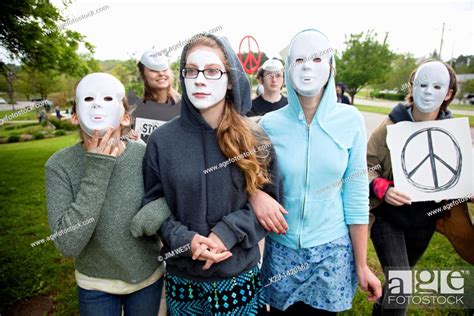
(203, 92)
(310, 54)
(99, 102)
(431, 85)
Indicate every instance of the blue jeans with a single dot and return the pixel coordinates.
(143, 302)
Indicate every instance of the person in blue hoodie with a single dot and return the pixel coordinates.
(206, 163)
(313, 268)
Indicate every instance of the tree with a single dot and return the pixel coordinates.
(463, 64)
(45, 82)
(465, 88)
(400, 69)
(24, 84)
(364, 61)
(30, 33)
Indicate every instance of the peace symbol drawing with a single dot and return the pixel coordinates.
(432, 160)
(445, 170)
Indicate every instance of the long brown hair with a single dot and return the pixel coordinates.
(452, 84)
(240, 137)
(171, 94)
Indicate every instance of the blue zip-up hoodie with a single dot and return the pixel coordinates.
(177, 155)
(323, 166)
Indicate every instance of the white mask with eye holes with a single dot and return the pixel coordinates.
(310, 54)
(204, 93)
(430, 86)
(99, 102)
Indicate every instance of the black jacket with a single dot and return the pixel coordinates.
(177, 155)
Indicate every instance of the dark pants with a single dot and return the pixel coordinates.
(143, 302)
(300, 308)
(399, 249)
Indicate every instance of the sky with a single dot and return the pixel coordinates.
(126, 29)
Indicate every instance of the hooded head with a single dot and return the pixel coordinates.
(342, 87)
(238, 88)
(215, 77)
(310, 71)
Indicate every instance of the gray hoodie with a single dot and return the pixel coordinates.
(177, 155)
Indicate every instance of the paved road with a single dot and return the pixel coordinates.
(391, 104)
(19, 105)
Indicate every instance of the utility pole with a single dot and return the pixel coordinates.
(441, 44)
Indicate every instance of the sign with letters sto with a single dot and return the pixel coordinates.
(432, 160)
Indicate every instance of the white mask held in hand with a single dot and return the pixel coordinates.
(430, 86)
(99, 102)
(310, 54)
(203, 92)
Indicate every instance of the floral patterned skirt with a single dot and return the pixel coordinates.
(323, 277)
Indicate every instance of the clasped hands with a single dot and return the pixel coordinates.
(210, 249)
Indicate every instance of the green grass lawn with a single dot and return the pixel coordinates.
(28, 271)
(462, 107)
(29, 115)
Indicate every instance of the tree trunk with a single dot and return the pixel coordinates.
(352, 94)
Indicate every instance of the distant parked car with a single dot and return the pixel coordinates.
(2, 101)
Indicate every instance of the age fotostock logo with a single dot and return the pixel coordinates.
(430, 288)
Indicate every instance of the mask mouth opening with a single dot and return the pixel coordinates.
(98, 118)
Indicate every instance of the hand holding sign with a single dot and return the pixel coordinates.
(431, 160)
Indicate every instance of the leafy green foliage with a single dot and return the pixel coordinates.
(364, 61)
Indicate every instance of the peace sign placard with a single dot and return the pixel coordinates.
(432, 160)
(252, 61)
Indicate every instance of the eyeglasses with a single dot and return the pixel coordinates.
(210, 73)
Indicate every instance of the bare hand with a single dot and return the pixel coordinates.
(269, 212)
(104, 145)
(133, 135)
(396, 198)
(369, 283)
(200, 243)
(220, 253)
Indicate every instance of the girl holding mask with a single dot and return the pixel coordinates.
(96, 186)
(319, 143)
(402, 230)
(211, 217)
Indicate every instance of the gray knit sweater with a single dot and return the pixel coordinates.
(93, 198)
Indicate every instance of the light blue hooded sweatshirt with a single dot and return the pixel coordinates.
(323, 166)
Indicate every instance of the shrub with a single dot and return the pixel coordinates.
(388, 96)
(63, 124)
(38, 135)
(13, 138)
(59, 132)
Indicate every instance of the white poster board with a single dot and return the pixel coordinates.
(432, 160)
(145, 127)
